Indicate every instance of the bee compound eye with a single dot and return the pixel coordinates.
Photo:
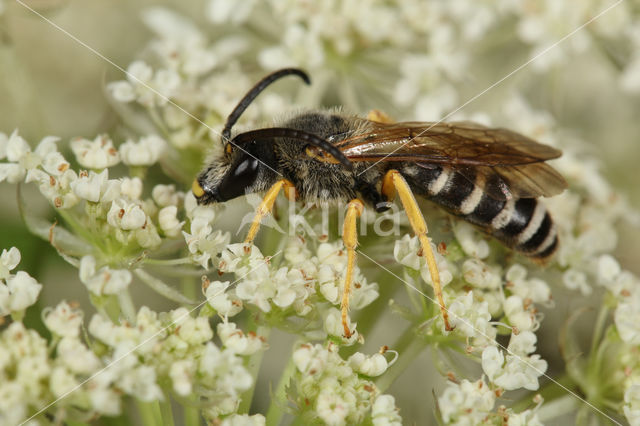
(241, 176)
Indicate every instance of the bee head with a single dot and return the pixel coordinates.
(238, 171)
(248, 163)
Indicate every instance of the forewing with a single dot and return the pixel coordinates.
(511, 164)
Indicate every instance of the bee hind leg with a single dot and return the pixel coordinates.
(350, 240)
(266, 206)
(394, 182)
(379, 117)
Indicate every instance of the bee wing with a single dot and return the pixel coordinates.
(512, 165)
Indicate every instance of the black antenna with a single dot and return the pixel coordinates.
(285, 132)
(254, 92)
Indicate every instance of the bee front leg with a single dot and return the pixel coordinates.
(394, 182)
(350, 239)
(266, 206)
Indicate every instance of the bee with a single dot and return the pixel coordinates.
(490, 177)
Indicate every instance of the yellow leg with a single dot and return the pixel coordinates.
(350, 239)
(393, 181)
(266, 206)
(379, 116)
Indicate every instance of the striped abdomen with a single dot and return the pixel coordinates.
(523, 224)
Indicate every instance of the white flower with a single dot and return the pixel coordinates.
(141, 383)
(97, 154)
(192, 330)
(372, 366)
(332, 408)
(125, 215)
(471, 318)
(517, 372)
(244, 420)
(96, 187)
(64, 320)
(181, 373)
(534, 289)
(235, 12)
(12, 173)
(105, 280)
(204, 244)
(333, 326)
(632, 403)
(145, 152)
(76, 356)
(522, 343)
(14, 148)
(122, 91)
(223, 302)
(144, 86)
(131, 187)
(222, 370)
(20, 291)
(472, 242)
(519, 317)
(165, 195)
(492, 361)
(237, 341)
(608, 269)
(384, 411)
(574, 279)
(168, 221)
(466, 402)
(8, 261)
(627, 319)
(406, 251)
(481, 275)
(525, 418)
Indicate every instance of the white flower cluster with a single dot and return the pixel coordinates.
(508, 296)
(549, 21)
(303, 284)
(178, 347)
(471, 403)
(327, 385)
(519, 370)
(134, 360)
(203, 242)
(17, 291)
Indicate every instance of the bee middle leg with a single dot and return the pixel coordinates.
(350, 240)
(266, 205)
(394, 182)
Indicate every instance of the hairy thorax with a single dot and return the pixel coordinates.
(318, 181)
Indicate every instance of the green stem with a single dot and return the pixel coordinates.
(409, 346)
(191, 415)
(126, 305)
(149, 413)
(599, 327)
(112, 308)
(253, 365)
(279, 397)
(165, 412)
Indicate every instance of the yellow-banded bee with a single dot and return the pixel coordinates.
(489, 177)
